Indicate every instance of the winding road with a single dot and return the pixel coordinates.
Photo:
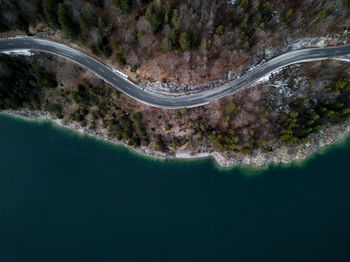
(171, 101)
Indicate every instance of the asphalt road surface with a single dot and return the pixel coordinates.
(171, 101)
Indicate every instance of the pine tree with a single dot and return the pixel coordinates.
(175, 19)
(123, 5)
(84, 26)
(49, 9)
(64, 18)
(167, 12)
(184, 41)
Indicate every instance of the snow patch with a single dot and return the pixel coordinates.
(344, 59)
(22, 52)
(297, 45)
(266, 78)
(118, 72)
(17, 36)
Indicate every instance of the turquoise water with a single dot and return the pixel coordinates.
(66, 197)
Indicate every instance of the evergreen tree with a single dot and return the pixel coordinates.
(173, 37)
(84, 26)
(166, 45)
(167, 12)
(175, 20)
(154, 15)
(184, 41)
(123, 5)
(64, 18)
(49, 8)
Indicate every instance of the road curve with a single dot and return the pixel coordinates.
(169, 101)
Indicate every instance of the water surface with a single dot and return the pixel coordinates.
(66, 197)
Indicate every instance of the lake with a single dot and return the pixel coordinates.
(68, 197)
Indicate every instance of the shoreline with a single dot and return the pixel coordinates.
(283, 154)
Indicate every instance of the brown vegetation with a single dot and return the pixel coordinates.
(182, 41)
(252, 119)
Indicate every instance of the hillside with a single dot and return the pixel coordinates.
(182, 42)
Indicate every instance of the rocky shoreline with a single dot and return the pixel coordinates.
(281, 153)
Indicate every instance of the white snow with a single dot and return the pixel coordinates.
(118, 72)
(297, 45)
(266, 78)
(23, 52)
(263, 79)
(344, 59)
(232, 2)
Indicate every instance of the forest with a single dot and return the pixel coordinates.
(178, 41)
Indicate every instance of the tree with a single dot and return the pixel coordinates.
(225, 141)
(243, 23)
(64, 18)
(341, 85)
(167, 12)
(120, 56)
(166, 45)
(301, 102)
(243, 3)
(246, 46)
(123, 5)
(321, 15)
(89, 16)
(175, 20)
(24, 87)
(49, 8)
(103, 25)
(256, 6)
(204, 45)
(159, 145)
(184, 41)
(3, 26)
(287, 16)
(219, 30)
(172, 37)
(194, 38)
(225, 119)
(152, 17)
(45, 79)
(98, 3)
(232, 108)
(84, 26)
(230, 40)
(267, 9)
(114, 42)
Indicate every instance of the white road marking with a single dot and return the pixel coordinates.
(191, 100)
